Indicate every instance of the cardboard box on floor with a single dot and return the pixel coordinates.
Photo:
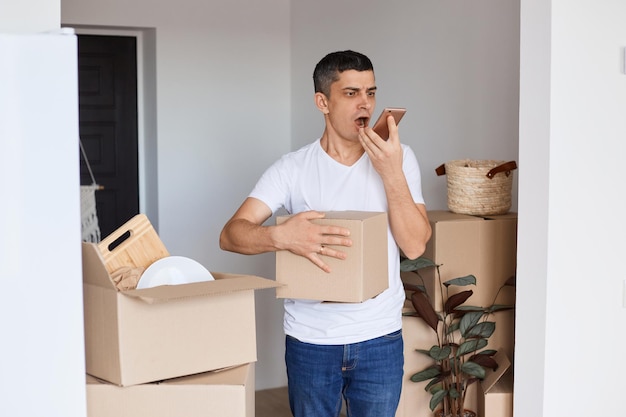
(414, 399)
(227, 393)
(496, 390)
(363, 275)
(503, 338)
(485, 247)
(145, 335)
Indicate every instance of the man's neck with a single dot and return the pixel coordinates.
(342, 150)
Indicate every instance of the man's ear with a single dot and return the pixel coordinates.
(321, 101)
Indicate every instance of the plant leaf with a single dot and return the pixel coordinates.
(473, 369)
(428, 373)
(434, 385)
(415, 264)
(499, 307)
(483, 330)
(424, 351)
(485, 361)
(437, 398)
(440, 353)
(453, 393)
(452, 327)
(425, 310)
(468, 321)
(456, 300)
(471, 308)
(471, 346)
(461, 281)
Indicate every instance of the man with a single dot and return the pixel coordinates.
(335, 349)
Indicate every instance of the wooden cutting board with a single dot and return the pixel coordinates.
(134, 244)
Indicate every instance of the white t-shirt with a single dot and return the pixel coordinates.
(309, 179)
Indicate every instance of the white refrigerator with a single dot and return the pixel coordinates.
(42, 370)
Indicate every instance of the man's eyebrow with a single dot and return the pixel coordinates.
(359, 89)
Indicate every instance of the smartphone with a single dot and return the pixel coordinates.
(380, 127)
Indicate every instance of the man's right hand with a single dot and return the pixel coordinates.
(244, 233)
(301, 236)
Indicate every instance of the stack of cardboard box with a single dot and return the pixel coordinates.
(185, 350)
(482, 246)
(485, 247)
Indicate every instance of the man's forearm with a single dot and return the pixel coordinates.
(408, 221)
(245, 237)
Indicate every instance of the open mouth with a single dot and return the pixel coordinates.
(362, 121)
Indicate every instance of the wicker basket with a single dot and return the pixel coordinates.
(479, 188)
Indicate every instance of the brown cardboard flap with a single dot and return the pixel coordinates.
(436, 216)
(351, 214)
(94, 271)
(443, 216)
(93, 380)
(337, 215)
(235, 375)
(493, 377)
(224, 283)
(508, 216)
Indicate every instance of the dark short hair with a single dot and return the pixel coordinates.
(328, 69)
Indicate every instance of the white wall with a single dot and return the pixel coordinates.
(573, 95)
(534, 197)
(29, 16)
(42, 369)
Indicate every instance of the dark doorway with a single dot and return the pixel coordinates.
(107, 77)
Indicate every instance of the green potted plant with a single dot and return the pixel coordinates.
(459, 357)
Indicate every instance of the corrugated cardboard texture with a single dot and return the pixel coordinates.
(496, 394)
(363, 275)
(470, 245)
(414, 400)
(485, 247)
(169, 331)
(228, 393)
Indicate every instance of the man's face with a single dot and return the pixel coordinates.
(351, 103)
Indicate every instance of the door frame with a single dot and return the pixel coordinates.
(146, 112)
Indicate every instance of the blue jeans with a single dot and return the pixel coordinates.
(367, 374)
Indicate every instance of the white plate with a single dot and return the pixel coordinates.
(173, 270)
